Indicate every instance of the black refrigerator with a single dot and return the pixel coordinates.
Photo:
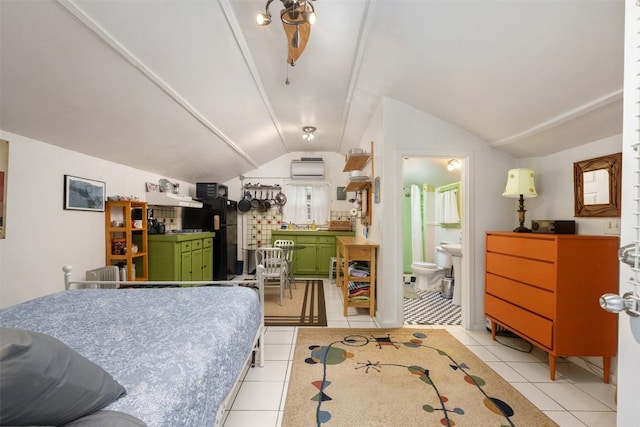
(221, 216)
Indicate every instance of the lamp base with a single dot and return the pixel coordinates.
(521, 211)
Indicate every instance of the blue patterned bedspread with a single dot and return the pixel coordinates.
(177, 351)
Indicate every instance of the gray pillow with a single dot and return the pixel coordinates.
(107, 418)
(44, 382)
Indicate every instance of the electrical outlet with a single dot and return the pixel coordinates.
(612, 226)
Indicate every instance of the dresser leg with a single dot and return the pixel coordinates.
(552, 367)
(606, 367)
(493, 330)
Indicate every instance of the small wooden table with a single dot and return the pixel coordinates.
(356, 249)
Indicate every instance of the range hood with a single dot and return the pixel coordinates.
(158, 198)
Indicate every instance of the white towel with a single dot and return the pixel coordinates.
(449, 207)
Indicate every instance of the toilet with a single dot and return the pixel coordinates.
(428, 275)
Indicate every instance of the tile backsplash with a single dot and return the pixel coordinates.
(260, 225)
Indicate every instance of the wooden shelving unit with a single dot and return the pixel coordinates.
(356, 249)
(356, 162)
(120, 232)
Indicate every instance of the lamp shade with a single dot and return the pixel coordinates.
(520, 182)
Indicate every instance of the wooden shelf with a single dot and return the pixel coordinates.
(130, 235)
(357, 186)
(356, 249)
(356, 162)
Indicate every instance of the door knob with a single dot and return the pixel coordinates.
(627, 254)
(614, 303)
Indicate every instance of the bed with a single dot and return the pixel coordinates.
(179, 352)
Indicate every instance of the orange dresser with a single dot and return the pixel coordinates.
(545, 288)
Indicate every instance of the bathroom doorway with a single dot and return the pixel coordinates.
(431, 216)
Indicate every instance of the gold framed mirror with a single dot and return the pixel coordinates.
(596, 186)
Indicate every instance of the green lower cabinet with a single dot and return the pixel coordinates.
(178, 257)
(324, 254)
(318, 247)
(207, 259)
(305, 259)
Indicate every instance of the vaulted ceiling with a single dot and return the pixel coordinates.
(195, 90)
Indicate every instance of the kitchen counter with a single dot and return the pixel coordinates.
(179, 237)
(315, 249)
(313, 232)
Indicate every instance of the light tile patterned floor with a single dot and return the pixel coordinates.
(577, 398)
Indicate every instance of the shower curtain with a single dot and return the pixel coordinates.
(418, 210)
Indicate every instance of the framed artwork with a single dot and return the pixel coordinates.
(4, 169)
(340, 194)
(83, 194)
(376, 189)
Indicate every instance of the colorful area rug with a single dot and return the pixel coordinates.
(307, 308)
(398, 377)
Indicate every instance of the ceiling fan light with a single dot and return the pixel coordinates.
(308, 132)
(309, 17)
(263, 19)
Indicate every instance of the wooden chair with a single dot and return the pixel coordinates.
(287, 247)
(273, 261)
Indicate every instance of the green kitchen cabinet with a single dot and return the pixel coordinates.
(177, 256)
(304, 260)
(325, 249)
(315, 249)
(207, 258)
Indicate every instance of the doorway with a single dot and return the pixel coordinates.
(431, 216)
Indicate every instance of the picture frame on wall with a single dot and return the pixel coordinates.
(82, 194)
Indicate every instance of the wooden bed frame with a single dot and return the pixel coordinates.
(258, 342)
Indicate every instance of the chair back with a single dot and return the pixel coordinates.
(287, 248)
(271, 260)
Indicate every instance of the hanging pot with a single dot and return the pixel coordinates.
(267, 203)
(244, 205)
(255, 203)
(281, 199)
(263, 205)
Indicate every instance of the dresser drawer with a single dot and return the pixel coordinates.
(196, 244)
(207, 243)
(536, 273)
(536, 300)
(185, 246)
(525, 247)
(522, 321)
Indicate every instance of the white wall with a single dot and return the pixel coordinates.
(554, 184)
(407, 131)
(41, 235)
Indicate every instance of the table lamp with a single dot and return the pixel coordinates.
(520, 184)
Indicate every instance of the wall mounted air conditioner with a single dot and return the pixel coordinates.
(311, 167)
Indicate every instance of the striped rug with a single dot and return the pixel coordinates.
(307, 308)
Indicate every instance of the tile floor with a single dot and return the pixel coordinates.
(577, 398)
